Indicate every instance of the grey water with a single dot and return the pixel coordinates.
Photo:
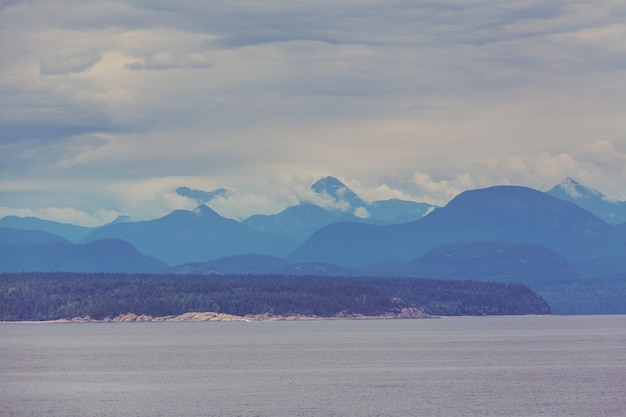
(489, 366)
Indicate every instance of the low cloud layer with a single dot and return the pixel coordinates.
(108, 107)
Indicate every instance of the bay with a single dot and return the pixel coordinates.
(487, 366)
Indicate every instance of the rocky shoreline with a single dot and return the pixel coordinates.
(405, 313)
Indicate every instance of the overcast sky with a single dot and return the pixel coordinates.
(106, 107)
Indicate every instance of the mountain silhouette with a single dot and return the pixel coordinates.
(298, 221)
(496, 214)
(70, 232)
(11, 235)
(611, 211)
(339, 192)
(378, 212)
(53, 253)
(185, 236)
(398, 211)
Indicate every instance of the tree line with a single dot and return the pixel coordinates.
(52, 296)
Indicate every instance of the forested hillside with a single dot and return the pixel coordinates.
(51, 296)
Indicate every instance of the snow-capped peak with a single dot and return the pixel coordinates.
(338, 191)
(575, 190)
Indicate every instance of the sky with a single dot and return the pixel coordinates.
(106, 107)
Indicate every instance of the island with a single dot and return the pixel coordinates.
(48, 296)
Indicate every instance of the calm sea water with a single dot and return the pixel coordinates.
(508, 366)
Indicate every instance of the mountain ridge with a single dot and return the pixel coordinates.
(22, 253)
(190, 236)
(500, 213)
(592, 200)
(68, 231)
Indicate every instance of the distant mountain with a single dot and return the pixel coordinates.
(194, 236)
(378, 212)
(552, 242)
(201, 197)
(110, 255)
(339, 192)
(298, 221)
(70, 232)
(304, 219)
(11, 235)
(500, 214)
(611, 211)
(398, 211)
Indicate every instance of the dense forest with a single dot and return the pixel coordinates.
(51, 296)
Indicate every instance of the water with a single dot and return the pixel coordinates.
(507, 366)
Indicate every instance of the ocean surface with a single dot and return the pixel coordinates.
(490, 366)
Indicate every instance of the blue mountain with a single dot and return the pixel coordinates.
(185, 236)
(611, 211)
(378, 212)
(302, 220)
(298, 221)
(495, 214)
(70, 232)
(11, 235)
(398, 211)
(338, 191)
(28, 251)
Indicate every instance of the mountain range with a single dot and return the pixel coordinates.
(611, 211)
(507, 234)
(501, 214)
(34, 250)
(189, 236)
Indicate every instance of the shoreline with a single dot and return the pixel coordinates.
(219, 317)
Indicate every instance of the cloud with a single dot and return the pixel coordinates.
(596, 165)
(439, 192)
(603, 156)
(414, 100)
(164, 60)
(69, 63)
(68, 215)
(83, 148)
(362, 212)
(387, 189)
